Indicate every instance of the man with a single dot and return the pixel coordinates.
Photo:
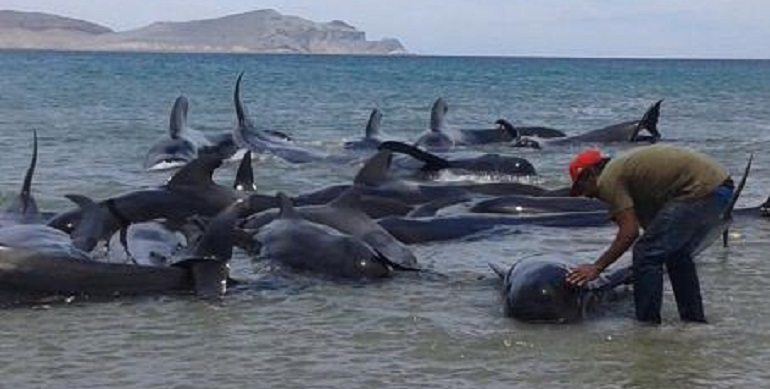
(677, 196)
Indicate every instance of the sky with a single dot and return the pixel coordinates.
(553, 28)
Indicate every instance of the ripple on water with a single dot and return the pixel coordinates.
(96, 114)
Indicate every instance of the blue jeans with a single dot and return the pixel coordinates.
(672, 237)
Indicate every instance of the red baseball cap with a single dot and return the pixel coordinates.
(584, 159)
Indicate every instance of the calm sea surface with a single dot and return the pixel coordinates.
(97, 114)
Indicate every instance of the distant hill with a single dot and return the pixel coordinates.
(262, 31)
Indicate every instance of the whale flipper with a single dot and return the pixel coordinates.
(89, 230)
(430, 208)
(432, 161)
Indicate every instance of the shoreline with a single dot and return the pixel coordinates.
(379, 55)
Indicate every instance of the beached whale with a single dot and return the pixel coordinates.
(378, 181)
(628, 131)
(440, 139)
(536, 290)
(249, 136)
(190, 192)
(485, 164)
(301, 245)
(372, 137)
(39, 260)
(345, 214)
(413, 230)
(505, 132)
(184, 144)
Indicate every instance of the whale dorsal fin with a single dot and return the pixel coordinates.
(350, 198)
(244, 178)
(178, 120)
(375, 170)
(373, 126)
(196, 173)
(240, 111)
(506, 126)
(649, 121)
(728, 212)
(437, 114)
(287, 210)
(432, 162)
(26, 187)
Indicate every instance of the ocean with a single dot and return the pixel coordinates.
(97, 114)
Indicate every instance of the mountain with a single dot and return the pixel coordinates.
(33, 30)
(262, 31)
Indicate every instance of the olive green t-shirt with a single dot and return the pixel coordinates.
(646, 178)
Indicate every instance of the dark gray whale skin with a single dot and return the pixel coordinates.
(51, 266)
(505, 132)
(299, 244)
(628, 131)
(536, 290)
(31, 271)
(478, 164)
(518, 205)
(440, 228)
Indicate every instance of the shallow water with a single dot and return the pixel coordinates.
(97, 114)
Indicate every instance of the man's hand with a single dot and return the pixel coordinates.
(583, 274)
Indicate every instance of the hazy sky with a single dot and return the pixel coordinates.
(587, 28)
